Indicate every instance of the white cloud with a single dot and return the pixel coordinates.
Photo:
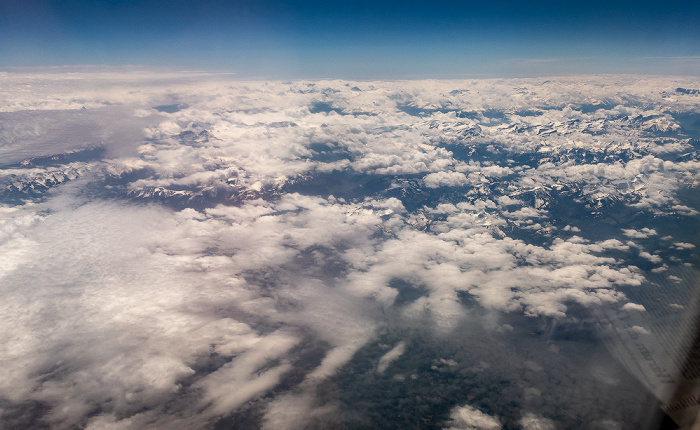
(445, 179)
(683, 245)
(639, 234)
(161, 298)
(242, 379)
(134, 316)
(614, 244)
(651, 257)
(639, 330)
(135, 341)
(391, 356)
(507, 200)
(633, 307)
(469, 418)
(530, 421)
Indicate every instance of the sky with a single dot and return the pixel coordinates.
(356, 39)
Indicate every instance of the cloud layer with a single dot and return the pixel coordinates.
(200, 251)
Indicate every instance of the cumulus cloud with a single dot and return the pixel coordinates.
(651, 257)
(639, 234)
(683, 245)
(530, 421)
(469, 418)
(445, 179)
(633, 307)
(639, 330)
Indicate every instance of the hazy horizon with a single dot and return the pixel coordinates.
(359, 40)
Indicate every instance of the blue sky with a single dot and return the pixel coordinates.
(356, 39)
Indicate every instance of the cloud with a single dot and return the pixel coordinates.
(391, 356)
(639, 330)
(530, 421)
(162, 302)
(294, 411)
(127, 354)
(445, 179)
(651, 257)
(266, 233)
(242, 254)
(614, 244)
(245, 374)
(633, 307)
(469, 418)
(639, 234)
